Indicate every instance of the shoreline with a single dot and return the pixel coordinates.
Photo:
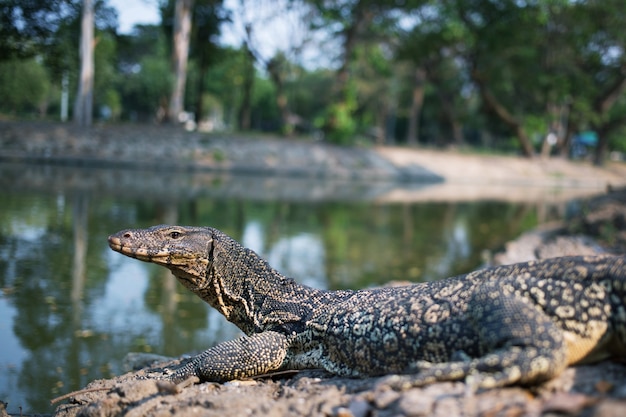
(405, 174)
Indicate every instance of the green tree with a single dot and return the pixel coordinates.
(278, 69)
(144, 73)
(596, 48)
(223, 81)
(27, 27)
(48, 31)
(209, 15)
(356, 23)
(24, 85)
(194, 27)
(503, 41)
(107, 97)
(529, 63)
(309, 93)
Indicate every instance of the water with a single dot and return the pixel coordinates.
(71, 309)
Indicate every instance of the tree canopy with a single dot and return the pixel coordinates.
(520, 76)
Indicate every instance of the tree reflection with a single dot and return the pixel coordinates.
(44, 271)
(79, 229)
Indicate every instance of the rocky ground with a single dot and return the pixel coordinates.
(598, 227)
(597, 390)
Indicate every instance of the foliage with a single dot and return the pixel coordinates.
(28, 26)
(499, 74)
(339, 124)
(48, 31)
(360, 25)
(309, 92)
(146, 89)
(618, 142)
(535, 67)
(24, 85)
(106, 96)
(224, 79)
(144, 78)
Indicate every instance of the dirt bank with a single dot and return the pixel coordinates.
(472, 177)
(464, 168)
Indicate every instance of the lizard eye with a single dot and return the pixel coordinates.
(175, 235)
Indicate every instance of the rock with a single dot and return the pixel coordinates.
(413, 403)
(568, 403)
(3, 409)
(357, 408)
(385, 398)
(610, 408)
(545, 243)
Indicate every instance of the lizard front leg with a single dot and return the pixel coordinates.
(236, 359)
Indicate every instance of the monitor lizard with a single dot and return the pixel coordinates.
(515, 324)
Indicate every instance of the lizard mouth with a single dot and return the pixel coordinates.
(116, 244)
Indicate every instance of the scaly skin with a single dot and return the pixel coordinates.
(516, 324)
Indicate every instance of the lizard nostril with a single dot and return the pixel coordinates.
(127, 235)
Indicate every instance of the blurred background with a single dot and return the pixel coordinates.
(519, 76)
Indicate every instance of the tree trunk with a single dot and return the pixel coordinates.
(412, 136)
(362, 15)
(450, 114)
(274, 69)
(202, 69)
(601, 148)
(604, 130)
(381, 122)
(286, 127)
(83, 106)
(457, 131)
(245, 111)
(499, 110)
(603, 106)
(180, 52)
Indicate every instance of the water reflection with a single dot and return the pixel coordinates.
(70, 309)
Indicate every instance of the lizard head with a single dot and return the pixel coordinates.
(186, 251)
(209, 263)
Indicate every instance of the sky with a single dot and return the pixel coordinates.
(131, 12)
(273, 30)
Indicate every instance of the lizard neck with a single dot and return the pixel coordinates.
(250, 293)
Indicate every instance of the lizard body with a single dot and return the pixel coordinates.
(515, 324)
